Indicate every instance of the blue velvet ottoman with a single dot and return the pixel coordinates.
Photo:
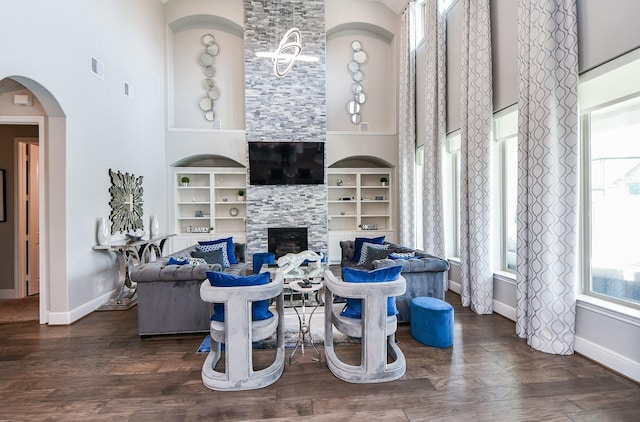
(262, 258)
(432, 321)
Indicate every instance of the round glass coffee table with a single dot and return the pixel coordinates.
(305, 288)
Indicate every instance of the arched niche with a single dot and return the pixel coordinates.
(379, 81)
(207, 160)
(186, 82)
(361, 161)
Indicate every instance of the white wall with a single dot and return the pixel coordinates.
(104, 129)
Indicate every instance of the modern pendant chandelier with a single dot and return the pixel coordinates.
(288, 51)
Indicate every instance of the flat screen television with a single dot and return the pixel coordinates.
(286, 163)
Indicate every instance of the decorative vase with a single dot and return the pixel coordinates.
(154, 226)
(104, 235)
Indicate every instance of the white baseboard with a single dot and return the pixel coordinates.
(455, 287)
(498, 307)
(66, 318)
(504, 310)
(608, 358)
(7, 293)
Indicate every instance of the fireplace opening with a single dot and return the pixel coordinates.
(284, 240)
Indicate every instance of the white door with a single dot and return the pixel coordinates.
(33, 233)
(28, 217)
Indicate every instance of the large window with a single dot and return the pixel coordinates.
(420, 18)
(611, 165)
(506, 135)
(452, 194)
(419, 196)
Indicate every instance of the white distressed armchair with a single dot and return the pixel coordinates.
(375, 328)
(238, 331)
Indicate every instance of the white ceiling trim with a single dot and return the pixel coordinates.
(396, 5)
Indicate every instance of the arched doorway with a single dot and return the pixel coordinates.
(45, 113)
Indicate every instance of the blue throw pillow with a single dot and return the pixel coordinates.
(230, 250)
(259, 309)
(176, 261)
(352, 275)
(360, 241)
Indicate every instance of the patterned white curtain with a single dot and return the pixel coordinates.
(547, 174)
(435, 127)
(407, 129)
(476, 146)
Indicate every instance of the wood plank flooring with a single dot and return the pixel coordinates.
(98, 369)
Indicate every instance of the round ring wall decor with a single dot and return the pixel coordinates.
(206, 60)
(354, 106)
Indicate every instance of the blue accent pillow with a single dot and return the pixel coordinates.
(259, 309)
(360, 241)
(230, 252)
(353, 309)
(175, 261)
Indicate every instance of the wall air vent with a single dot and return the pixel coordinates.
(128, 90)
(97, 67)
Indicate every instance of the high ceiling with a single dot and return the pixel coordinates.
(395, 5)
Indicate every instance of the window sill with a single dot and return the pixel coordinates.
(612, 310)
(505, 276)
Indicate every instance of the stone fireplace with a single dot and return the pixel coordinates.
(284, 240)
(289, 109)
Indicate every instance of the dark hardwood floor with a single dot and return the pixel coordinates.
(99, 369)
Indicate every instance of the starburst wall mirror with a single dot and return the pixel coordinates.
(126, 202)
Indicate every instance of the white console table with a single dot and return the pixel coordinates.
(130, 253)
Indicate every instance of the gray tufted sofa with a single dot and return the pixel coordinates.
(425, 275)
(169, 295)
